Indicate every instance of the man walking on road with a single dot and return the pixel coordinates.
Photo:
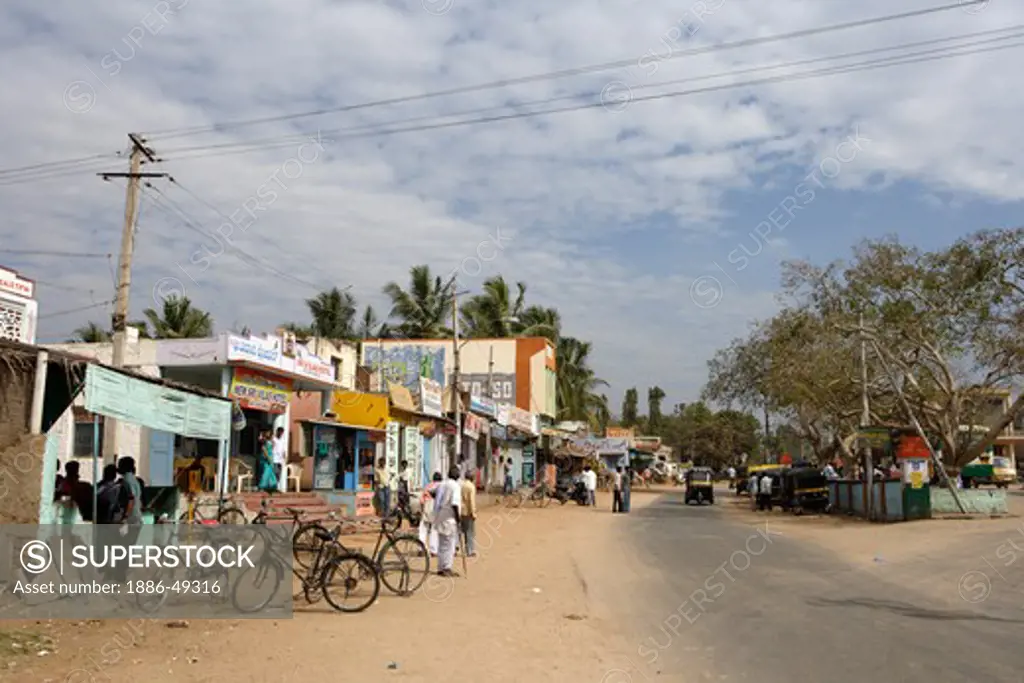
(590, 485)
(765, 490)
(467, 516)
(617, 490)
(447, 521)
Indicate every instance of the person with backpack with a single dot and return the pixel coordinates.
(108, 497)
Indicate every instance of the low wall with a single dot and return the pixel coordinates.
(977, 501)
(847, 496)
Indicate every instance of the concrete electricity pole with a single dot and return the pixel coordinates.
(865, 419)
(111, 442)
(456, 381)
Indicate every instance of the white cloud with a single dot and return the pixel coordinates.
(373, 206)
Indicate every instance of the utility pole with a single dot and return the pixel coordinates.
(111, 444)
(457, 390)
(865, 419)
(487, 440)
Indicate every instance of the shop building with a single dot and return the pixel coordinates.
(260, 374)
(19, 310)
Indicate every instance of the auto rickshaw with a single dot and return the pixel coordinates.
(803, 488)
(700, 485)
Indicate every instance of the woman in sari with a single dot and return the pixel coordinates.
(267, 480)
(428, 535)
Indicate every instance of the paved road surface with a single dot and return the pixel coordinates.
(742, 603)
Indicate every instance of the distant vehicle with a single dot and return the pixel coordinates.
(700, 486)
(989, 469)
(803, 488)
(743, 475)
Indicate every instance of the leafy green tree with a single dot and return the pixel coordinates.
(423, 311)
(630, 408)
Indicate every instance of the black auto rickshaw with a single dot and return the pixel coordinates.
(700, 485)
(804, 488)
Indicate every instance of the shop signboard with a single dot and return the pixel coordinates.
(483, 405)
(414, 454)
(529, 463)
(392, 447)
(254, 350)
(471, 426)
(619, 432)
(520, 419)
(259, 392)
(308, 365)
(915, 472)
(503, 385)
(431, 397)
(498, 432)
(404, 364)
(503, 414)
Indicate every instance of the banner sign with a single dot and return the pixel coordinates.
(259, 392)
(431, 397)
(502, 413)
(414, 455)
(619, 432)
(392, 446)
(472, 425)
(483, 405)
(502, 385)
(520, 419)
(152, 405)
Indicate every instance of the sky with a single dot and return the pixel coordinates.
(657, 228)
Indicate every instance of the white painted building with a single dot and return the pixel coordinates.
(19, 311)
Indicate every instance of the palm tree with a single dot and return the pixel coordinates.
(90, 333)
(494, 312)
(537, 321)
(576, 382)
(179, 320)
(333, 313)
(422, 311)
(370, 327)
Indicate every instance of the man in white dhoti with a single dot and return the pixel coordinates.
(446, 521)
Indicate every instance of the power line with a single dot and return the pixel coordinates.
(227, 218)
(381, 127)
(850, 68)
(44, 252)
(565, 73)
(76, 310)
(55, 164)
(197, 226)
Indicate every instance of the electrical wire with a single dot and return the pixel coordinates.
(197, 226)
(45, 252)
(565, 73)
(852, 68)
(76, 310)
(269, 242)
(381, 127)
(55, 164)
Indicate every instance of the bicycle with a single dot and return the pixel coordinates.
(331, 561)
(216, 578)
(397, 560)
(227, 513)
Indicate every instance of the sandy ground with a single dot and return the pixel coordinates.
(536, 606)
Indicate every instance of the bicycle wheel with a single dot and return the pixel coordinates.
(356, 577)
(197, 517)
(257, 586)
(404, 564)
(306, 543)
(231, 515)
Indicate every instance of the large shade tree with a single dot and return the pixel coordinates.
(333, 314)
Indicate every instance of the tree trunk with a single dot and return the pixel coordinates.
(994, 431)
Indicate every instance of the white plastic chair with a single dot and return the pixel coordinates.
(241, 473)
(295, 474)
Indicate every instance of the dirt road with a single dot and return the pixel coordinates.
(537, 605)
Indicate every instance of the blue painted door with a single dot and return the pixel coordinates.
(161, 459)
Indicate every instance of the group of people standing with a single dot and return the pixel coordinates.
(117, 497)
(621, 481)
(448, 510)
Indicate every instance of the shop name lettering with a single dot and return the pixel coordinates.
(313, 368)
(261, 394)
(250, 349)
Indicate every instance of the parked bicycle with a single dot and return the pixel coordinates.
(222, 512)
(334, 573)
(538, 496)
(401, 559)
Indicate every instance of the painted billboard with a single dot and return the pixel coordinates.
(404, 364)
(503, 385)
